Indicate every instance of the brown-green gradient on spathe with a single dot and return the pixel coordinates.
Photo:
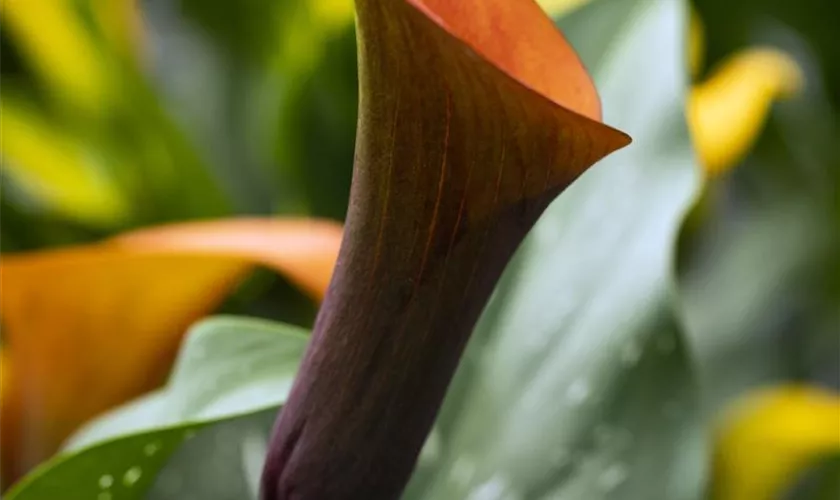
(456, 157)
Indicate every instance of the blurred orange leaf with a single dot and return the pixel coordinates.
(89, 327)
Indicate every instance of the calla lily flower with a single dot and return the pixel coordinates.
(89, 327)
(770, 437)
(474, 116)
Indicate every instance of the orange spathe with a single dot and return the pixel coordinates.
(538, 57)
(89, 327)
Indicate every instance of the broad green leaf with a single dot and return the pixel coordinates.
(735, 316)
(223, 461)
(226, 364)
(577, 383)
(229, 367)
(114, 470)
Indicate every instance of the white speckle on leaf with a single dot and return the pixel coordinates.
(105, 481)
(104, 495)
(578, 392)
(254, 450)
(131, 476)
(463, 470)
(151, 448)
(496, 488)
(431, 448)
(612, 477)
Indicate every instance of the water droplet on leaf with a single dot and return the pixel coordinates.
(463, 470)
(105, 481)
(496, 488)
(612, 477)
(578, 392)
(131, 476)
(431, 448)
(151, 448)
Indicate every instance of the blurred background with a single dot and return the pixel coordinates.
(118, 115)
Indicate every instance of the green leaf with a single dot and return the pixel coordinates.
(744, 323)
(269, 92)
(228, 368)
(224, 461)
(316, 136)
(577, 382)
(114, 470)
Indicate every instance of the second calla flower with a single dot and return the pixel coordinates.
(474, 116)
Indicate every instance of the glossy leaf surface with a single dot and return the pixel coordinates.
(228, 367)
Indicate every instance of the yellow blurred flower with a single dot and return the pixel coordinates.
(770, 437)
(726, 111)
